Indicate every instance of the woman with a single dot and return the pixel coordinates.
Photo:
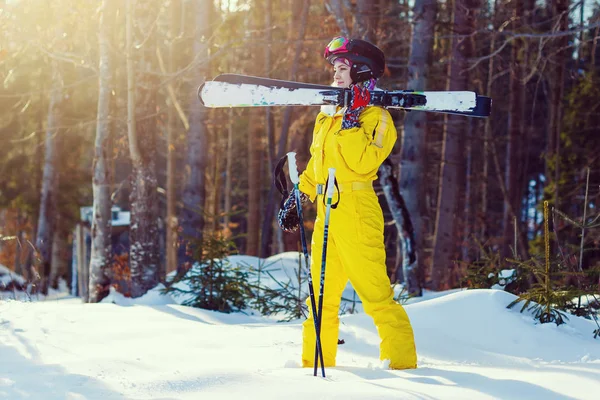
(355, 141)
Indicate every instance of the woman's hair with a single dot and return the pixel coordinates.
(369, 84)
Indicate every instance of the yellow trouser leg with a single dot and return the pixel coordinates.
(356, 251)
(363, 257)
(335, 281)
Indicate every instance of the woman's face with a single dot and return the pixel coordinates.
(341, 74)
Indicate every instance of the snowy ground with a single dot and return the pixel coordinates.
(469, 345)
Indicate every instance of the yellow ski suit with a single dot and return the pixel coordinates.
(355, 247)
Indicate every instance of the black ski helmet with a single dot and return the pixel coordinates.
(368, 61)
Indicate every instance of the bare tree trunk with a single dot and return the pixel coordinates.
(194, 193)
(228, 171)
(101, 253)
(48, 203)
(452, 167)
(171, 222)
(581, 45)
(229, 166)
(467, 211)
(216, 204)
(82, 267)
(254, 167)
(527, 129)
(38, 143)
(487, 132)
(144, 247)
(268, 111)
(253, 245)
(267, 228)
(21, 218)
(59, 264)
(412, 164)
(266, 241)
(561, 15)
(19, 247)
(515, 133)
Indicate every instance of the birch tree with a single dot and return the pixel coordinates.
(101, 252)
(144, 246)
(48, 203)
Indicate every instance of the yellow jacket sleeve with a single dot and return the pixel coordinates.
(364, 148)
(308, 181)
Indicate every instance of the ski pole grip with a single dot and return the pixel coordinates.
(330, 183)
(293, 168)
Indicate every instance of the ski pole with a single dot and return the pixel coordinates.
(293, 170)
(328, 198)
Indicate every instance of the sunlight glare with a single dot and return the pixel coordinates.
(234, 5)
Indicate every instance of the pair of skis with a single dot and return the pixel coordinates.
(316, 313)
(231, 90)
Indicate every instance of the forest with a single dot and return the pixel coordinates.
(110, 168)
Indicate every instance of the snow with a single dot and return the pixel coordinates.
(470, 346)
(7, 276)
(123, 219)
(119, 218)
(152, 298)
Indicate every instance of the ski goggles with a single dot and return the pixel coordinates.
(336, 46)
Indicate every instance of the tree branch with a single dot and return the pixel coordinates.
(336, 8)
(172, 95)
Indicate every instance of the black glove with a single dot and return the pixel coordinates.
(287, 217)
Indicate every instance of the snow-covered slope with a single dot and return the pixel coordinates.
(470, 347)
(483, 331)
(10, 280)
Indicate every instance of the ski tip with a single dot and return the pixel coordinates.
(234, 78)
(239, 79)
(200, 95)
